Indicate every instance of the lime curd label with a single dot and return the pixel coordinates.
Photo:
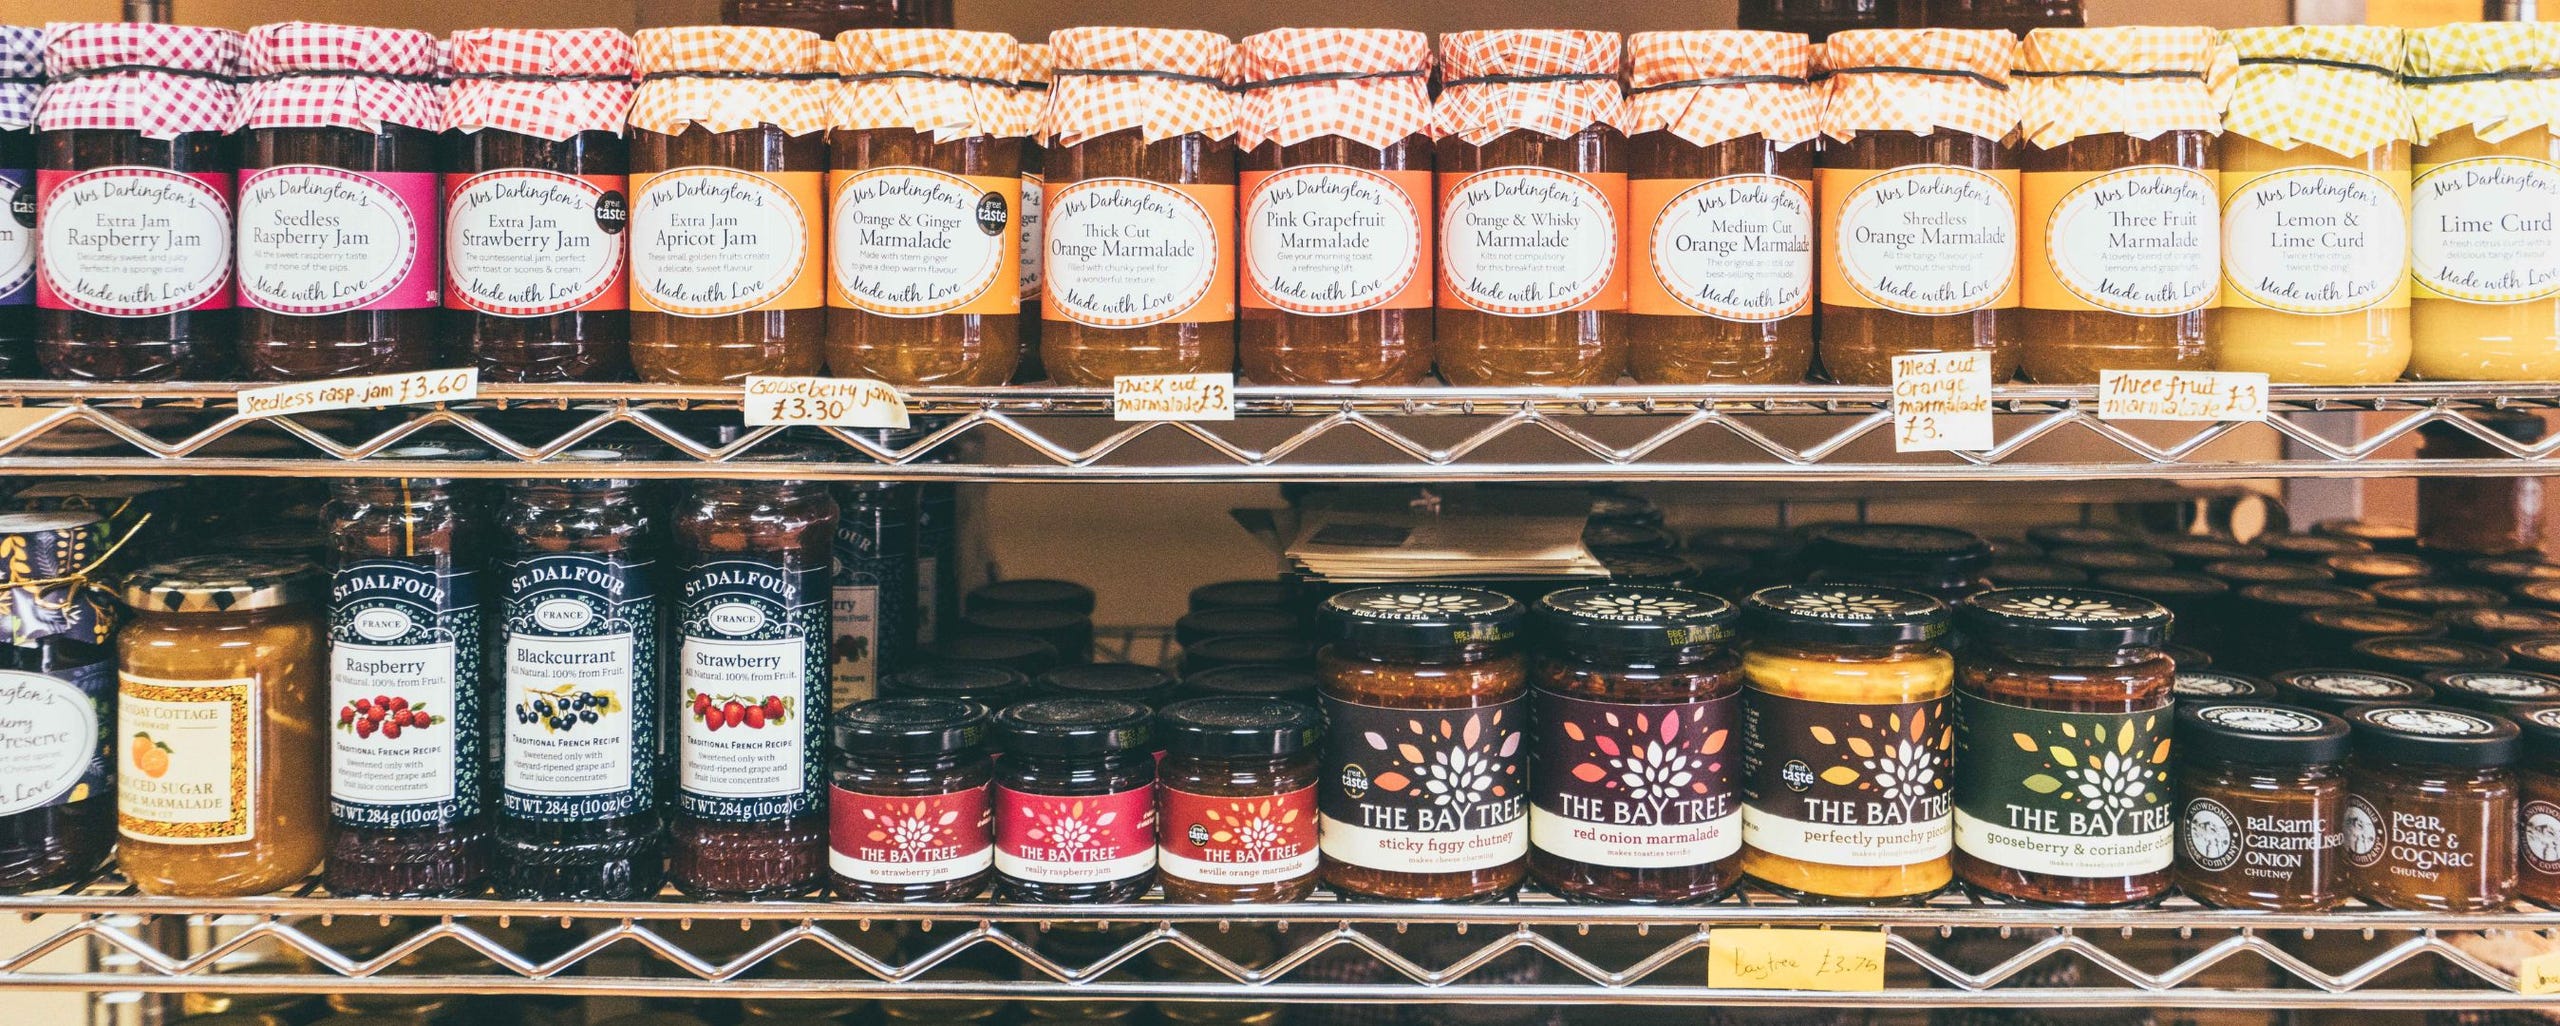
(2486, 230)
(2314, 240)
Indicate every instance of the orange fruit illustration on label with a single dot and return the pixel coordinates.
(149, 756)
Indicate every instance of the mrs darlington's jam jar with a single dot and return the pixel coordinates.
(1720, 129)
(1919, 201)
(2431, 808)
(1075, 801)
(908, 811)
(2538, 818)
(1636, 758)
(1424, 794)
(728, 164)
(1139, 205)
(57, 690)
(1336, 207)
(134, 131)
(1846, 736)
(2262, 798)
(1236, 800)
(21, 79)
(1035, 66)
(1533, 207)
(2484, 243)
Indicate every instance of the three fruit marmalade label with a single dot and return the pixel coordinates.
(579, 694)
(2080, 794)
(755, 674)
(404, 740)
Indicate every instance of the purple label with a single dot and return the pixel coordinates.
(17, 236)
(1636, 785)
(1424, 790)
(321, 240)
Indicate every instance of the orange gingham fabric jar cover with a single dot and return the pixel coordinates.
(949, 83)
(1783, 112)
(1033, 64)
(1180, 85)
(2075, 82)
(1479, 112)
(1373, 86)
(1963, 85)
(396, 85)
(789, 95)
(556, 82)
(195, 95)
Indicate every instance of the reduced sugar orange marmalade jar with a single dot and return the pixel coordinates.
(1533, 208)
(1337, 200)
(2484, 241)
(1720, 287)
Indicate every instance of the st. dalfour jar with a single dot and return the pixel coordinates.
(2484, 207)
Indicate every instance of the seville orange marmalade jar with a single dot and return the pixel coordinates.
(1533, 208)
(2484, 207)
(2315, 199)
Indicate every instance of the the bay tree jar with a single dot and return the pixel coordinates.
(537, 202)
(1336, 206)
(2484, 243)
(1720, 126)
(1532, 171)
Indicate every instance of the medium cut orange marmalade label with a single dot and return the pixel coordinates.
(712, 241)
(1926, 239)
(1130, 252)
(1530, 241)
(917, 242)
(1737, 248)
(1325, 239)
(2316, 239)
(2143, 240)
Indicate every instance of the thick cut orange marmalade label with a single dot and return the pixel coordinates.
(2315, 239)
(1737, 248)
(1327, 239)
(712, 241)
(1530, 241)
(917, 242)
(1129, 252)
(2143, 240)
(1925, 239)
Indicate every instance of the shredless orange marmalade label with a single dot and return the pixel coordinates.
(2143, 240)
(1926, 239)
(1327, 239)
(1129, 252)
(1737, 248)
(712, 241)
(917, 242)
(2315, 239)
(1530, 241)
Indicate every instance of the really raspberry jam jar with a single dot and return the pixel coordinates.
(909, 813)
(1075, 802)
(2262, 797)
(1237, 800)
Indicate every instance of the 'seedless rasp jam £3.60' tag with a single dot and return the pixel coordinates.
(1425, 790)
(93, 226)
(2063, 793)
(523, 242)
(1846, 784)
(579, 687)
(753, 662)
(1636, 784)
(404, 742)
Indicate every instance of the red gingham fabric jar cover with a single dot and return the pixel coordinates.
(594, 96)
(392, 91)
(1378, 111)
(975, 94)
(1784, 113)
(159, 105)
(1083, 106)
(1479, 112)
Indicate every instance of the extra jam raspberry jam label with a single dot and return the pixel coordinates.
(17, 236)
(1636, 785)
(404, 739)
(2066, 794)
(2141, 240)
(1326, 239)
(521, 242)
(2315, 240)
(189, 748)
(1926, 239)
(713, 241)
(1238, 841)
(1738, 248)
(916, 242)
(58, 740)
(910, 839)
(581, 651)
(2486, 230)
(753, 664)
(321, 240)
(133, 241)
(1425, 790)
(1846, 784)
(1530, 241)
(1128, 252)
(1048, 838)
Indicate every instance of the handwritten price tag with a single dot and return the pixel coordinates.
(2182, 395)
(1173, 397)
(436, 386)
(1942, 402)
(823, 402)
(2539, 974)
(1837, 960)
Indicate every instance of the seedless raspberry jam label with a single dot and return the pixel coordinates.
(1526, 241)
(1636, 785)
(2067, 794)
(712, 241)
(2141, 240)
(521, 242)
(1425, 790)
(1127, 252)
(2486, 230)
(1073, 839)
(1844, 784)
(403, 743)
(320, 240)
(910, 839)
(915, 242)
(752, 661)
(133, 241)
(1738, 248)
(17, 237)
(1235, 842)
(1326, 239)
(189, 748)
(2314, 240)
(1926, 239)
(581, 659)
(58, 743)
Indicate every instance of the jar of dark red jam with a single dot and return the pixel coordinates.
(58, 692)
(1075, 802)
(2431, 808)
(2262, 797)
(1238, 800)
(2336, 690)
(908, 813)
(2538, 776)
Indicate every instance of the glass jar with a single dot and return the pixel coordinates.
(728, 163)
(2307, 548)
(2262, 799)
(2019, 16)
(1887, 291)
(1075, 802)
(2335, 691)
(753, 654)
(1020, 653)
(2481, 232)
(222, 791)
(1142, 146)
(1036, 68)
(2212, 685)
(2498, 692)
(2499, 571)
(21, 77)
(1277, 650)
(1128, 682)
(537, 203)
(2101, 560)
(1070, 633)
(875, 585)
(1720, 287)
(136, 124)
(2538, 818)
(2480, 515)
(2541, 655)
(1820, 18)
(829, 17)
(1237, 803)
(1846, 663)
(1031, 593)
(2076, 534)
(2417, 657)
(2193, 599)
(2278, 609)
(57, 693)
(993, 685)
(1636, 684)
(2431, 809)
(1258, 680)
(579, 644)
(1195, 627)
(2316, 274)
(1334, 132)
(1247, 594)
(2432, 595)
(2123, 248)
(926, 189)
(2537, 594)
(2383, 537)
(1528, 130)
(908, 812)
(1940, 561)
(1417, 679)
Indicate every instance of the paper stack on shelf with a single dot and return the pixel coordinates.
(1361, 546)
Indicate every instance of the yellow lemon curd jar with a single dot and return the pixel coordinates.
(2484, 217)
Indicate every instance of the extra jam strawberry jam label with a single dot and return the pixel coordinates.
(1048, 838)
(910, 839)
(1238, 841)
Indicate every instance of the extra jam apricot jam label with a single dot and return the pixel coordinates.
(1130, 252)
(2315, 240)
(1926, 239)
(753, 665)
(2486, 230)
(1846, 784)
(522, 242)
(189, 748)
(2139, 240)
(916, 242)
(1048, 838)
(1425, 790)
(1326, 239)
(133, 241)
(910, 839)
(713, 241)
(1737, 248)
(1234, 842)
(1637, 784)
(320, 240)
(1530, 241)
(404, 739)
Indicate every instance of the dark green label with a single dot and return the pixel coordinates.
(2063, 793)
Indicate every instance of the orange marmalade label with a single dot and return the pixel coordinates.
(1129, 252)
(1327, 239)
(1926, 239)
(1737, 248)
(1530, 241)
(712, 241)
(917, 242)
(2143, 240)
(2315, 239)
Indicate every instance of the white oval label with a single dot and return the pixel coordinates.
(1929, 239)
(48, 735)
(134, 242)
(735, 618)
(2487, 230)
(712, 241)
(318, 240)
(1327, 239)
(1738, 248)
(381, 624)
(1125, 252)
(562, 614)
(17, 233)
(2314, 240)
(1526, 241)
(914, 242)
(526, 243)
(2138, 241)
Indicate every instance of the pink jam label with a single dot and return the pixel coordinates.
(907, 839)
(322, 240)
(1075, 838)
(133, 241)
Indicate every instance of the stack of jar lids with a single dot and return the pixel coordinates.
(2215, 685)
(1844, 614)
(2259, 733)
(2339, 689)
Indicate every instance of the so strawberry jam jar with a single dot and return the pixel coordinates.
(909, 812)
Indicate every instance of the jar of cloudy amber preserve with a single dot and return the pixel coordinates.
(2262, 796)
(2431, 808)
(2484, 248)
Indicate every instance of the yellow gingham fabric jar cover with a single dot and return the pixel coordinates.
(794, 101)
(2059, 100)
(2495, 109)
(1179, 86)
(1391, 103)
(973, 94)
(1479, 112)
(1784, 113)
(1963, 87)
(2349, 110)
(1032, 65)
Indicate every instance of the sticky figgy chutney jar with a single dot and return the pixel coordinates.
(2262, 798)
(908, 809)
(1138, 253)
(728, 168)
(2431, 808)
(1720, 127)
(1336, 206)
(1532, 170)
(537, 202)
(1236, 800)
(1424, 794)
(1075, 801)
(57, 691)
(21, 76)
(135, 129)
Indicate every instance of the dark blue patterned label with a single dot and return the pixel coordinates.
(753, 662)
(580, 688)
(404, 693)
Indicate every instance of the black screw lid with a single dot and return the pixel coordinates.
(1032, 593)
(2193, 552)
(2342, 626)
(1422, 616)
(1662, 568)
(2508, 571)
(2261, 733)
(2540, 725)
(2420, 655)
(2337, 690)
(1031, 620)
(2020, 573)
(1128, 681)
(2242, 573)
(1255, 681)
(1022, 653)
(2387, 537)
(2307, 548)
(2538, 594)
(2494, 691)
(2109, 559)
(2496, 625)
(2054, 536)
(2431, 595)
(2288, 599)
(1631, 620)
(1218, 623)
(2174, 590)
(1228, 727)
(910, 727)
(2084, 619)
(1244, 595)
(2214, 685)
(1844, 614)
(2364, 568)
(989, 684)
(1074, 728)
(1899, 550)
(2540, 652)
(2187, 657)
(1625, 536)
(1248, 650)
(2432, 735)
